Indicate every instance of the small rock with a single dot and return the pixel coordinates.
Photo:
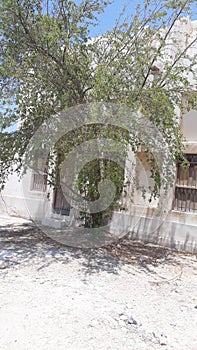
(195, 307)
(3, 265)
(123, 317)
(143, 259)
(131, 320)
(160, 260)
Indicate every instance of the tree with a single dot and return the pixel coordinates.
(49, 62)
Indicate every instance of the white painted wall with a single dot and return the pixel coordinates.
(18, 199)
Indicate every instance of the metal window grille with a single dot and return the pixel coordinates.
(185, 198)
(39, 182)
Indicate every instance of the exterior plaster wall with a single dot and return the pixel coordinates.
(18, 199)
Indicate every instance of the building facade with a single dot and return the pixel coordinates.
(173, 223)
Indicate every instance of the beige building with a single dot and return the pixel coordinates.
(172, 222)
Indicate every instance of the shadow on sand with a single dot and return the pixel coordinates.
(27, 244)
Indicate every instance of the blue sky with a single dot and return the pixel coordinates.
(107, 19)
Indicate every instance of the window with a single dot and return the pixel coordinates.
(186, 186)
(39, 182)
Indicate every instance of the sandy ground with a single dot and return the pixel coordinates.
(55, 297)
